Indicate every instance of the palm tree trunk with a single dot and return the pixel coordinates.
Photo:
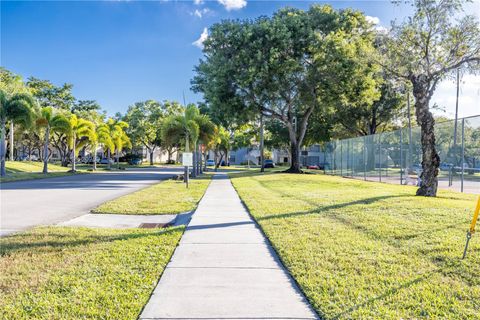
(94, 157)
(117, 155)
(108, 160)
(11, 140)
(3, 171)
(45, 150)
(194, 163)
(200, 156)
(74, 167)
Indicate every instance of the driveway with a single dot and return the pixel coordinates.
(25, 204)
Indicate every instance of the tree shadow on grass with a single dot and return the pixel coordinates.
(62, 239)
(318, 209)
(386, 294)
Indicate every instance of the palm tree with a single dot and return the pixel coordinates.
(206, 134)
(119, 138)
(51, 122)
(183, 127)
(79, 128)
(16, 108)
(100, 136)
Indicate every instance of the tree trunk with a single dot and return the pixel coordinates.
(370, 148)
(74, 167)
(430, 157)
(295, 143)
(3, 151)
(200, 164)
(117, 155)
(108, 160)
(194, 161)
(151, 157)
(45, 150)
(94, 158)
(295, 154)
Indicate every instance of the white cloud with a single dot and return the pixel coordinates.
(203, 37)
(373, 20)
(198, 2)
(468, 101)
(200, 13)
(233, 4)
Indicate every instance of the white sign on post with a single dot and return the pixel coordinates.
(187, 159)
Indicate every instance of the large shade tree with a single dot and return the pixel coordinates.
(424, 50)
(145, 121)
(288, 67)
(18, 108)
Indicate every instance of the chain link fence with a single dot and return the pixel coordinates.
(396, 157)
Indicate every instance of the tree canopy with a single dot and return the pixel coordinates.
(288, 67)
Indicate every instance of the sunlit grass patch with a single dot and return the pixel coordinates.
(369, 250)
(27, 170)
(81, 273)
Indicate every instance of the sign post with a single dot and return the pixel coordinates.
(187, 161)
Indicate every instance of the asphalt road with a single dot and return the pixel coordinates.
(25, 204)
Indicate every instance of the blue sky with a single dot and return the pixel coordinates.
(120, 52)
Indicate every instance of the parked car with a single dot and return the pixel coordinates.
(268, 164)
(135, 161)
(210, 162)
(89, 160)
(313, 167)
(106, 161)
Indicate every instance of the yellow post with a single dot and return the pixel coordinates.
(475, 217)
(471, 231)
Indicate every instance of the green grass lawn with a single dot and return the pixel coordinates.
(27, 170)
(365, 250)
(81, 273)
(166, 197)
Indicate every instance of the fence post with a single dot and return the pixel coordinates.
(341, 158)
(463, 152)
(380, 157)
(401, 156)
(364, 159)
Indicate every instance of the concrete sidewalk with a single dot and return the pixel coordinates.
(223, 268)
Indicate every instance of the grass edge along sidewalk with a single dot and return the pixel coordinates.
(166, 197)
(369, 250)
(82, 273)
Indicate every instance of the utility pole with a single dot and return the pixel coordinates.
(455, 130)
(456, 109)
(262, 156)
